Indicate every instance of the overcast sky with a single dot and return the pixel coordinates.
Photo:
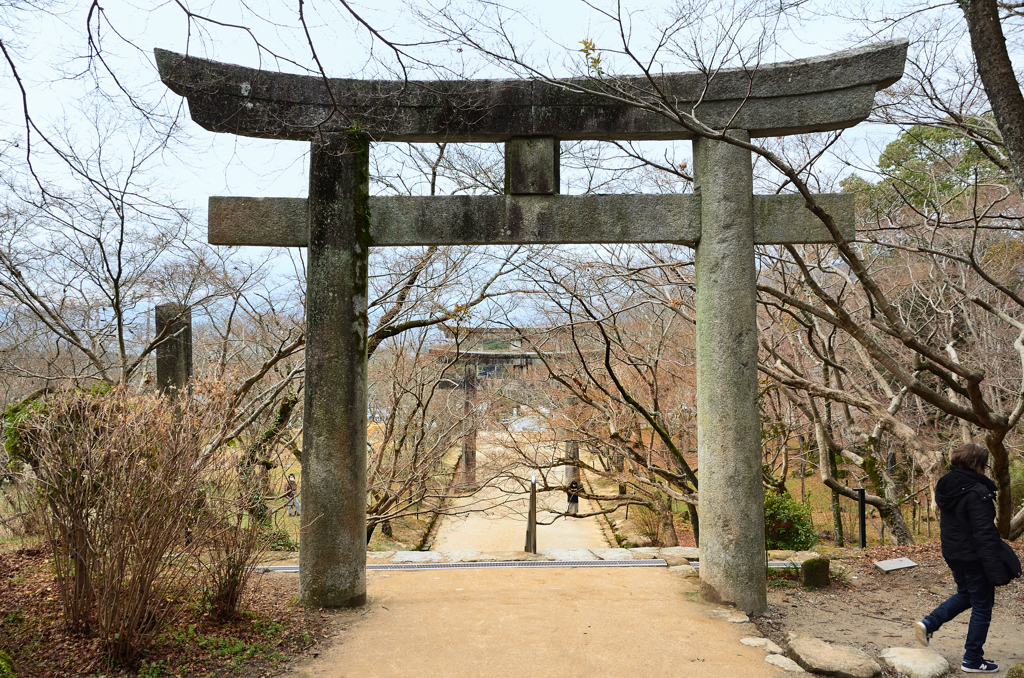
(205, 163)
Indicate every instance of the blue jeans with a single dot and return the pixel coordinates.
(974, 591)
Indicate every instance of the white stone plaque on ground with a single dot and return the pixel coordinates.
(894, 564)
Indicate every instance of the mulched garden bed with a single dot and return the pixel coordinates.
(272, 632)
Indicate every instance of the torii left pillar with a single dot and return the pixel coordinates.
(332, 560)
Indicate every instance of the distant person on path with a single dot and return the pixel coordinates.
(574, 500)
(291, 493)
(971, 546)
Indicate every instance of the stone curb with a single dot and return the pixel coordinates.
(672, 555)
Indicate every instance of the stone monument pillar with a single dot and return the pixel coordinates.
(332, 557)
(174, 355)
(728, 427)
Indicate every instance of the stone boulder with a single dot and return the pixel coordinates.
(684, 570)
(679, 555)
(464, 556)
(764, 643)
(784, 663)
(567, 554)
(842, 661)
(780, 555)
(1016, 671)
(645, 553)
(729, 614)
(418, 557)
(814, 573)
(612, 554)
(915, 662)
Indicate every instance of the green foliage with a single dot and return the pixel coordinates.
(15, 417)
(152, 669)
(787, 523)
(1017, 481)
(236, 650)
(6, 665)
(927, 166)
(281, 540)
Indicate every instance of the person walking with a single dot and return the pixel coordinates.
(291, 493)
(574, 500)
(972, 548)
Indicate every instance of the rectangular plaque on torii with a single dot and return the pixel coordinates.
(339, 222)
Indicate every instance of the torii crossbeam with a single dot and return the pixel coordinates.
(339, 222)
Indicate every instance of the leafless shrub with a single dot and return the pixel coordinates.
(122, 475)
(235, 540)
(21, 513)
(646, 524)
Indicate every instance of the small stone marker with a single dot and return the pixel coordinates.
(814, 572)
(894, 564)
(915, 662)
(844, 661)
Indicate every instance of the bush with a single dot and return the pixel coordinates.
(6, 665)
(646, 524)
(237, 542)
(120, 474)
(787, 523)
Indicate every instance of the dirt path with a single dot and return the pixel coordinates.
(874, 611)
(502, 526)
(558, 622)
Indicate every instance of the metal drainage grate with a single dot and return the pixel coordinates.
(654, 562)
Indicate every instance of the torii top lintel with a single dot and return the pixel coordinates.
(809, 95)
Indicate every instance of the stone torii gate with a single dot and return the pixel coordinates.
(339, 222)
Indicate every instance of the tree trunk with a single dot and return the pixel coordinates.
(892, 518)
(996, 70)
(837, 514)
(694, 523)
(891, 515)
(667, 520)
(1001, 476)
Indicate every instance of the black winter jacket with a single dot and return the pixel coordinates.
(967, 522)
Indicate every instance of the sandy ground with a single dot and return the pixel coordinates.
(537, 622)
(557, 622)
(503, 528)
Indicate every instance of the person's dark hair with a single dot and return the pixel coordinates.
(969, 455)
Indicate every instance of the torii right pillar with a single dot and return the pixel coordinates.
(728, 427)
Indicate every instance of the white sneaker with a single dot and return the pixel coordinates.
(924, 636)
(984, 666)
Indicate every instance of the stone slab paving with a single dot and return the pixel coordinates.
(535, 623)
